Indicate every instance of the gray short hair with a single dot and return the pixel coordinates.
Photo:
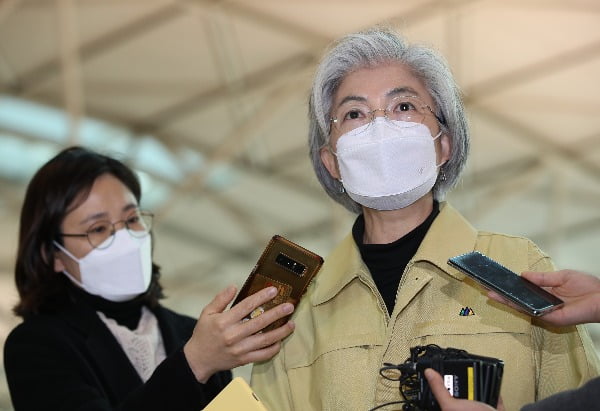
(368, 49)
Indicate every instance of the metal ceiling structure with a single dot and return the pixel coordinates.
(227, 82)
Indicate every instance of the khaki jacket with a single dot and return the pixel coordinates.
(344, 333)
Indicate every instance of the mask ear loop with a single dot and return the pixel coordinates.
(441, 165)
(64, 250)
(65, 272)
(341, 188)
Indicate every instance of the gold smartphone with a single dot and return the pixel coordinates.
(285, 265)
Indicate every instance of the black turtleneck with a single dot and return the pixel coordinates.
(387, 262)
(126, 313)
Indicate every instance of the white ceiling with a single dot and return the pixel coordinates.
(228, 81)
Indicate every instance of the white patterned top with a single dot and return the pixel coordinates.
(144, 345)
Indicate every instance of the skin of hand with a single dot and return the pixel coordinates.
(579, 291)
(447, 402)
(221, 341)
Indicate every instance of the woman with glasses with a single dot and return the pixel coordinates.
(94, 335)
(388, 138)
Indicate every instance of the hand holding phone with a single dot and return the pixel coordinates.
(528, 296)
(286, 266)
(220, 340)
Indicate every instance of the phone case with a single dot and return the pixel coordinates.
(285, 265)
(533, 299)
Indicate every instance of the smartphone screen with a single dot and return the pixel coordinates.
(491, 274)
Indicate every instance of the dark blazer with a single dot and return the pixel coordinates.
(71, 361)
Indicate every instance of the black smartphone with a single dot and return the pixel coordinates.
(530, 297)
(285, 265)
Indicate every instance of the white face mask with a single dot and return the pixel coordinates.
(387, 165)
(119, 272)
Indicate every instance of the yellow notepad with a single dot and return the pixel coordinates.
(237, 395)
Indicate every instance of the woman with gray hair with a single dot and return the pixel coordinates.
(388, 138)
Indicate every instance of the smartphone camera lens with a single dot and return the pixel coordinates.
(286, 262)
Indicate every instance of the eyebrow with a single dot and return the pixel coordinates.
(351, 98)
(392, 93)
(104, 215)
(403, 91)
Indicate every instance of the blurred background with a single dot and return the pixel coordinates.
(207, 100)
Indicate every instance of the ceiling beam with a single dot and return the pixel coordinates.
(70, 65)
(233, 144)
(572, 6)
(496, 174)
(263, 18)
(31, 80)
(260, 79)
(547, 66)
(184, 234)
(175, 141)
(268, 75)
(541, 143)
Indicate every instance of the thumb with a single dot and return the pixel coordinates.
(221, 300)
(544, 279)
(436, 383)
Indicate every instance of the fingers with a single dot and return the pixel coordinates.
(545, 279)
(263, 354)
(263, 346)
(258, 323)
(249, 303)
(221, 300)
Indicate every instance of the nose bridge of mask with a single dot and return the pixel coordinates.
(115, 255)
(378, 122)
(382, 128)
(122, 243)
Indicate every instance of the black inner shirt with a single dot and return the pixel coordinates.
(387, 262)
(126, 313)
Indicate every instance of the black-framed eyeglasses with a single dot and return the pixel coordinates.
(102, 233)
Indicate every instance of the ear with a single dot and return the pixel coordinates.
(330, 162)
(445, 148)
(58, 263)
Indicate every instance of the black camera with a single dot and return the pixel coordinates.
(465, 376)
(290, 264)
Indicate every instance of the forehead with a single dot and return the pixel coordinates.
(372, 83)
(107, 194)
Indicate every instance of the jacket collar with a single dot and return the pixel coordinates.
(449, 235)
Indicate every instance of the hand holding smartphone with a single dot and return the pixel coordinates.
(286, 266)
(530, 297)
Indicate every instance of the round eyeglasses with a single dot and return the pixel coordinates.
(138, 225)
(401, 108)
